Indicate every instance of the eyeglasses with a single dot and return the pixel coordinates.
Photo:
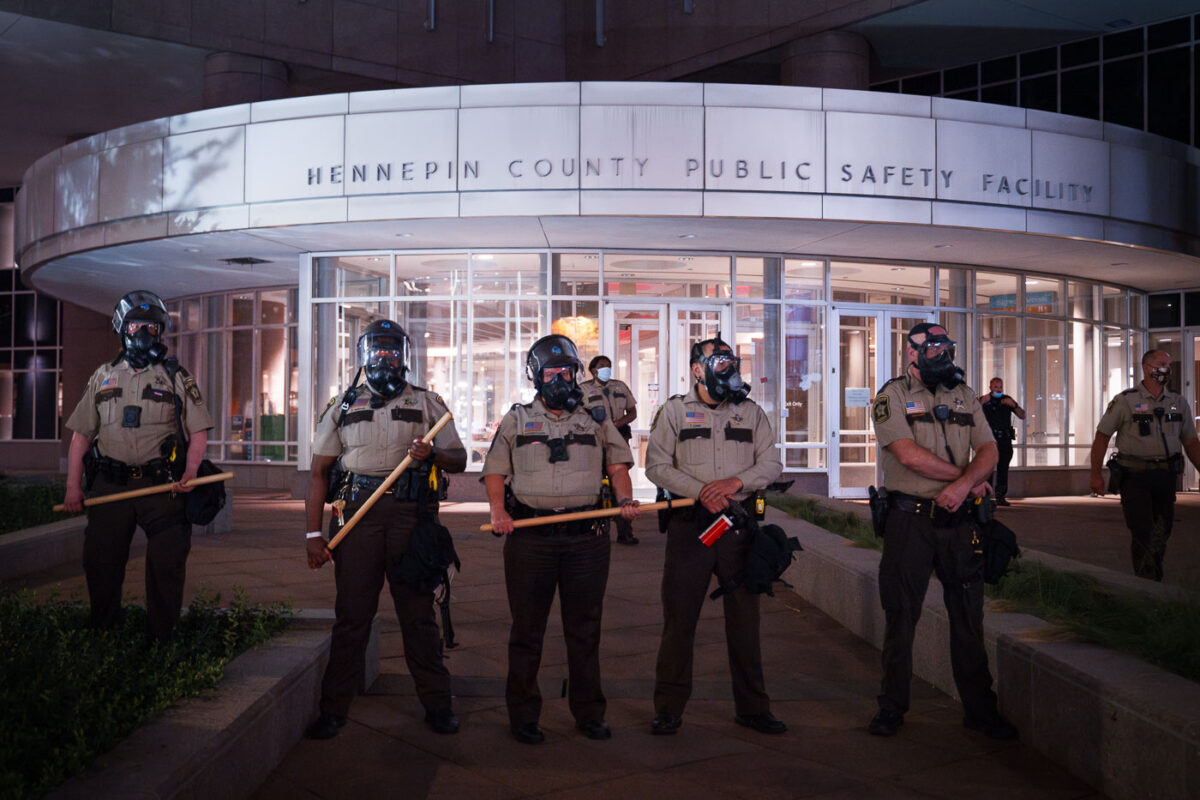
(133, 327)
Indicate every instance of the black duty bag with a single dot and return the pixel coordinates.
(430, 553)
(204, 502)
(771, 552)
(999, 548)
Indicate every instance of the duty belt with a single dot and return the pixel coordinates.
(1135, 464)
(928, 509)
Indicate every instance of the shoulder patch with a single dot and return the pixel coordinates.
(1111, 403)
(193, 391)
(881, 410)
(332, 401)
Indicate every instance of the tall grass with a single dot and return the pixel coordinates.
(842, 523)
(68, 692)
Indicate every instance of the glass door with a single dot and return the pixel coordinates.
(649, 344)
(860, 367)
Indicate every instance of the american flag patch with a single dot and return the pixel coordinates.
(694, 417)
(361, 401)
(108, 382)
(534, 427)
(914, 407)
(1141, 407)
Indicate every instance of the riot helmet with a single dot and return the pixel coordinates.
(383, 354)
(557, 353)
(722, 370)
(140, 320)
(935, 356)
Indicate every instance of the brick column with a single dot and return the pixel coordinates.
(232, 78)
(830, 60)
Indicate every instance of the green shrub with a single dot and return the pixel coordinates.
(1163, 632)
(842, 523)
(26, 501)
(69, 693)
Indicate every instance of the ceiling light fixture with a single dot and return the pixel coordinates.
(942, 246)
(192, 249)
(687, 236)
(404, 235)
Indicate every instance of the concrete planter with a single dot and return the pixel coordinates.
(1127, 728)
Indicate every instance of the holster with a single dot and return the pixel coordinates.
(983, 509)
(336, 483)
(878, 503)
(91, 466)
(664, 514)
(1116, 475)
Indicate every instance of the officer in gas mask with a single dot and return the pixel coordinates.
(1155, 429)
(361, 436)
(549, 457)
(717, 446)
(936, 452)
(126, 436)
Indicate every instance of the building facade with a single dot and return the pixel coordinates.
(811, 226)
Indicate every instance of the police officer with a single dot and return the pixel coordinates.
(927, 421)
(717, 446)
(371, 430)
(1154, 428)
(999, 409)
(549, 454)
(126, 429)
(619, 405)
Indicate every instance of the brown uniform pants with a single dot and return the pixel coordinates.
(106, 542)
(535, 564)
(912, 549)
(1148, 501)
(360, 562)
(688, 568)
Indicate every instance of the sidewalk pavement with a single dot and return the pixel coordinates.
(822, 680)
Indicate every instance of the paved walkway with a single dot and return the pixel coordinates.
(822, 680)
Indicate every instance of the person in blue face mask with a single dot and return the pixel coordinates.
(999, 409)
(620, 406)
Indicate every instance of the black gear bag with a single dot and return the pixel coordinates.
(203, 503)
(425, 568)
(999, 549)
(770, 553)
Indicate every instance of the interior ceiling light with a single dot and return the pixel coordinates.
(404, 235)
(485, 257)
(685, 258)
(942, 246)
(192, 249)
(897, 269)
(687, 236)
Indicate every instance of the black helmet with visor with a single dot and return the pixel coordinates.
(140, 320)
(561, 392)
(722, 370)
(383, 353)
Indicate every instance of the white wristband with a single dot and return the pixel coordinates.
(313, 535)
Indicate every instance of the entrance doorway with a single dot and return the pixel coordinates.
(869, 343)
(650, 344)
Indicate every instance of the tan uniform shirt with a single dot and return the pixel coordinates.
(373, 441)
(904, 409)
(614, 396)
(692, 444)
(1140, 432)
(101, 413)
(519, 451)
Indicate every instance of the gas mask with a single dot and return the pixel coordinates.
(722, 378)
(604, 374)
(143, 347)
(935, 361)
(385, 373)
(561, 393)
(1161, 374)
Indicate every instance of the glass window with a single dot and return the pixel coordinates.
(1085, 377)
(803, 279)
(1081, 92)
(1043, 296)
(954, 287)
(502, 333)
(243, 309)
(665, 275)
(440, 341)
(1164, 310)
(1124, 92)
(508, 273)
(241, 397)
(1045, 392)
(189, 317)
(274, 390)
(437, 274)
(336, 328)
(995, 291)
(958, 325)
(757, 277)
(579, 321)
(575, 273)
(804, 391)
(352, 276)
(1137, 310)
(1081, 300)
(884, 284)
(1116, 305)
(757, 345)
(1117, 370)
(215, 311)
(277, 307)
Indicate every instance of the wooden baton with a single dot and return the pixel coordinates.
(595, 513)
(162, 487)
(387, 483)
